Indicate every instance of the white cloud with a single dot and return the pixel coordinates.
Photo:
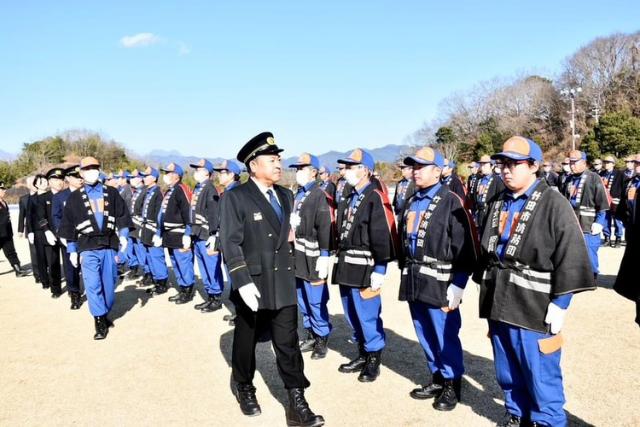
(139, 40)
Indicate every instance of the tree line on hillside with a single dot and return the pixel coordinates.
(607, 71)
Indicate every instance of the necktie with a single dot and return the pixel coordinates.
(275, 205)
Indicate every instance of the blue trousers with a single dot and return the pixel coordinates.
(312, 301)
(100, 275)
(182, 262)
(531, 380)
(157, 263)
(132, 259)
(71, 274)
(593, 244)
(210, 268)
(363, 315)
(437, 333)
(141, 253)
(610, 217)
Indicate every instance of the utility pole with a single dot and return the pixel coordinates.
(572, 93)
(596, 111)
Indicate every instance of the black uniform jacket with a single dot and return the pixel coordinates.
(365, 239)
(206, 220)
(151, 205)
(177, 215)
(6, 230)
(79, 223)
(449, 245)
(257, 248)
(315, 232)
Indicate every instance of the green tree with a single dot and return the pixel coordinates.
(617, 133)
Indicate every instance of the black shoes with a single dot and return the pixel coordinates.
(185, 295)
(76, 300)
(134, 274)
(617, 243)
(320, 348)
(102, 327)
(449, 397)
(147, 280)
(213, 303)
(230, 318)
(606, 241)
(298, 411)
(308, 342)
(246, 396)
(159, 288)
(510, 420)
(177, 296)
(356, 364)
(20, 272)
(56, 292)
(371, 369)
(429, 391)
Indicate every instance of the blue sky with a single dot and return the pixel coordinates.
(321, 75)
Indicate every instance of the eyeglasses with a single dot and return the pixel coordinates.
(509, 163)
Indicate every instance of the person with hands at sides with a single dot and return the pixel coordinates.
(6, 235)
(174, 231)
(437, 256)
(258, 243)
(96, 225)
(312, 222)
(588, 197)
(205, 220)
(533, 259)
(367, 241)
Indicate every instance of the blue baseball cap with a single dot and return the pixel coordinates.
(577, 155)
(203, 163)
(425, 156)
(520, 148)
(149, 171)
(228, 165)
(359, 157)
(306, 159)
(173, 167)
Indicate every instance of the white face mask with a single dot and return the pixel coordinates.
(200, 176)
(302, 177)
(566, 168)
(91, 176)
(351, 175)
(167, 179)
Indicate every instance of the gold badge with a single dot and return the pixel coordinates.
(271, 141)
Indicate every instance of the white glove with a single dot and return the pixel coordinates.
(156, 240)
(322, 267)
(64, 242)
(377, 280)
(454, 296)
(294, 220)
(30, 238)
(123, 243)
(555, 317)
(186, 242)
(73, 259)
(211, 242)
(51, 238)
(596, 228)
(250, 294)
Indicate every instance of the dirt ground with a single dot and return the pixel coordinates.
(164, 364)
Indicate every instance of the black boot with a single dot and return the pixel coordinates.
(606, 241)
(308, 342)
(230, 319)
(449, 397)
(246, 396)
(108, 322)
(298, 411)
(320, 348)
(510, 420)
(177, 296)
(159, 288)
(617, 244)
(431, 390)
(56, 292)
(101, 328)
(147, 280)
(214, 303)
(134, 274)
(76, 300)
(20, 272)
(356, 364)
(371, 368)
(186, 295)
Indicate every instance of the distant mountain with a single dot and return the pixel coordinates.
(6, 156)
(387, 154)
